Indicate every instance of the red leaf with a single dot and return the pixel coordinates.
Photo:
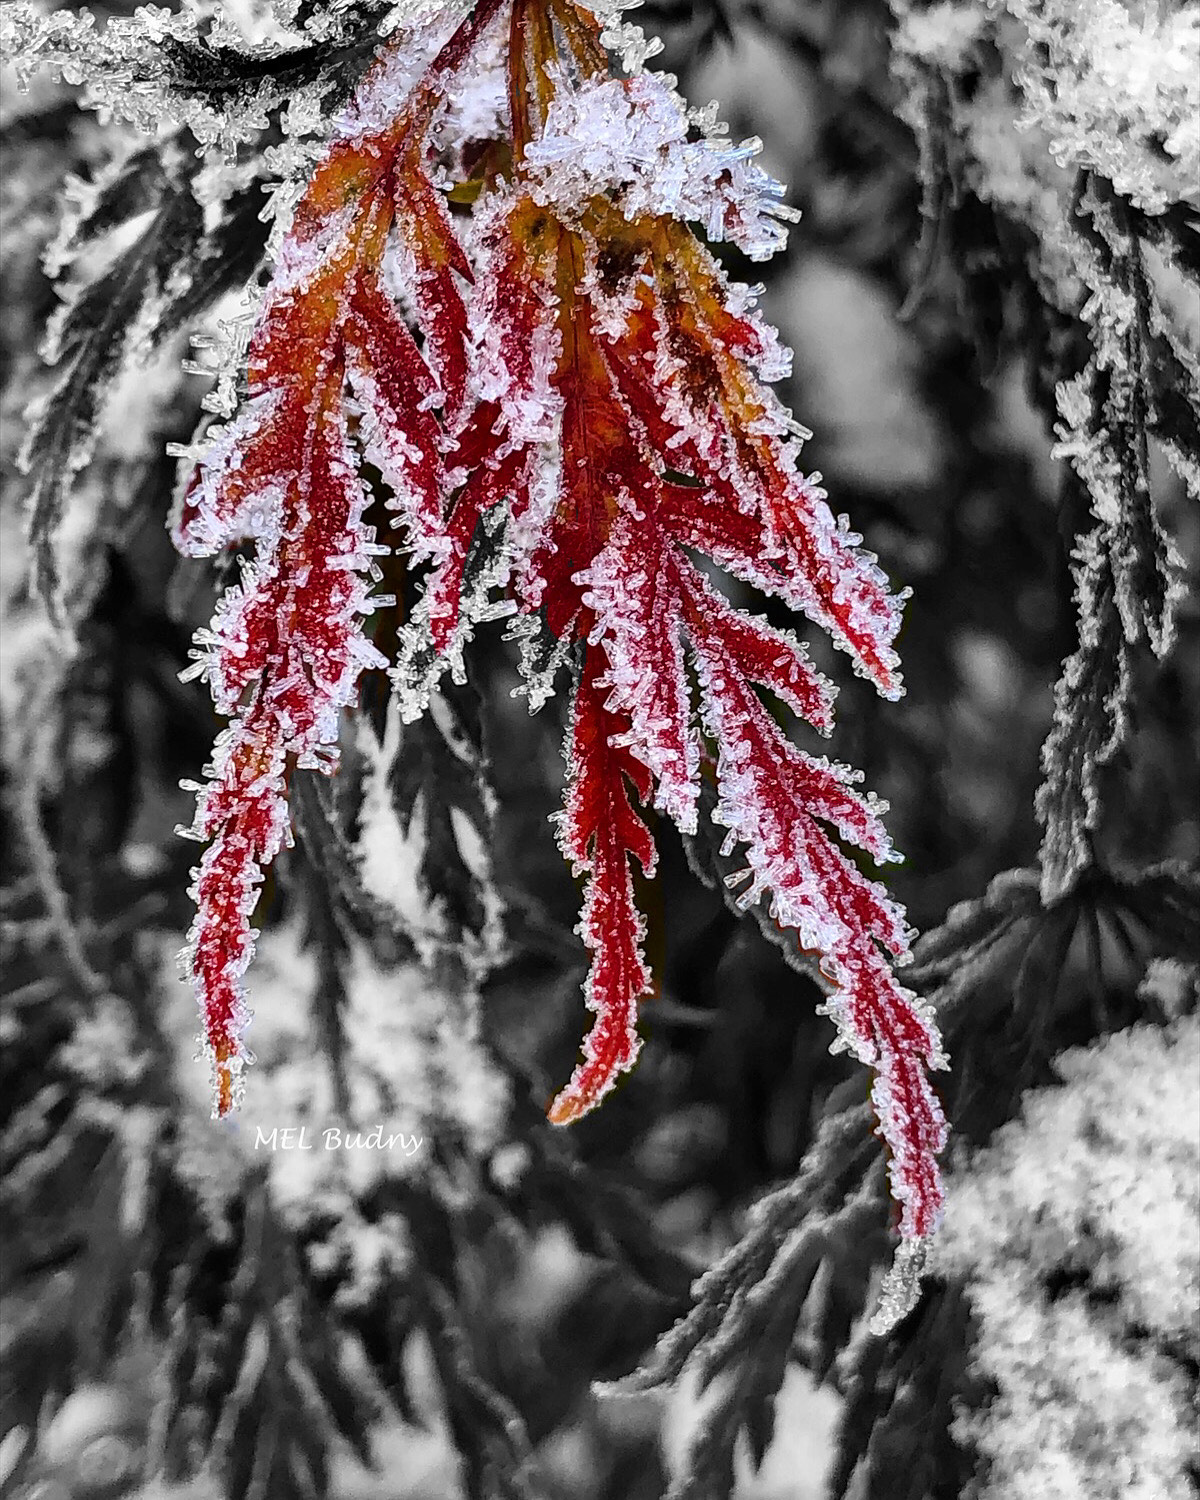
(632, 588)
(286, 648)
(605, 403)
(432, 258)
(761, 653)
(395, 390)
(600, 831)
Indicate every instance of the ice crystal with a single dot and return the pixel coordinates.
(122, 67)
(631, 140)
(1117, 90)
(286, 648)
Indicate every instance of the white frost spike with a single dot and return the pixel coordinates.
(901, 1289)
(1117, 90)
(542, 657)
(630, 139)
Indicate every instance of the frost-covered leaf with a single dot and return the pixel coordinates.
(1091, 712)
(600, 832)
(107, 323)
(606, 328)
(585, 402)
(1106, 413)
(191, 66)
(286, 648)
(1114, 94)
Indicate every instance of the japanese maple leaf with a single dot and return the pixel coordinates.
(622, 379)
(596, 417)
(286, 648)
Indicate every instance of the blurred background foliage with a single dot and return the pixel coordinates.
(186, 1316)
